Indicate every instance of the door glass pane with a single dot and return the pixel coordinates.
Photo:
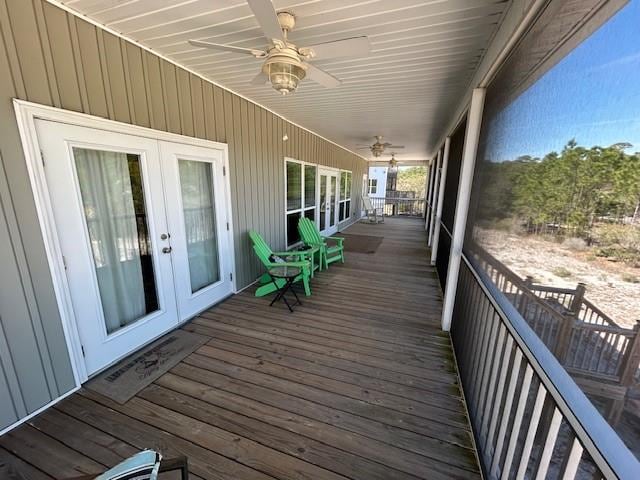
(343, 184)
(310, 214)
(293, 236)
(323, 202)
(114, 207)
(341, 212)
(347, 209)
(332, 215)
(198, 208)
(348, 192)
(309, 186)
(294, 186)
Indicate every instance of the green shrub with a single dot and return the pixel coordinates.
(620, 243)
(575, 244)
(628, 277)
(561, 272)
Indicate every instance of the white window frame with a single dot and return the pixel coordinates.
(345, 199)
(302, 208)
(372, 188)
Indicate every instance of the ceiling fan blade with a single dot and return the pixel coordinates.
(259, 79)
(395, 146)
(267, 18)
(349, 47)
(228, 48)
(320, 76)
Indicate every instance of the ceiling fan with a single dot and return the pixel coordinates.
(378, 148)
(286, 64)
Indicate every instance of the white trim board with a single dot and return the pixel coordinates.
(75, 13)
(39, 410)
(26, 115)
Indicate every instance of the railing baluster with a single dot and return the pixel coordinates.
(573, 461)
(506, 412)
(490, 326)
(484, 339)
(492, 383)
(531, 432)
(549, 444)
(497, 400)
(517, 421)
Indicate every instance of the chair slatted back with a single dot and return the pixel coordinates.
(262, 249)
(366, 201)
(309, 232)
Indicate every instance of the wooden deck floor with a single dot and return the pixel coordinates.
(359, 383)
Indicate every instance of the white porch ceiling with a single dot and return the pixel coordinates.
(424, 54)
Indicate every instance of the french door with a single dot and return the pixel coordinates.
(328, 201)
(141, 225)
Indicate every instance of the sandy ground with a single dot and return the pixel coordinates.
(550, 263)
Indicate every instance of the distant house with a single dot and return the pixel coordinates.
(377, 187)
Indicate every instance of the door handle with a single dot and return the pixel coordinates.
(166, 250)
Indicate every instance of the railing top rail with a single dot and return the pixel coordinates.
(545, 288)
(626, 332)
(606, 448)
(599, 312)
(520, 283)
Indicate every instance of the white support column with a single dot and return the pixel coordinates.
(472, 135)
(436, 184)
(443, 181)
(427, 181)
(432, 166)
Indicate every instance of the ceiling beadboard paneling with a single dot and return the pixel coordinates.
(423, 56)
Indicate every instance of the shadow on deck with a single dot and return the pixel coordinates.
(359, 382)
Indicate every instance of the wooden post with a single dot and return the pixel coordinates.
(578, 297)
(564, 336)
(631, 358)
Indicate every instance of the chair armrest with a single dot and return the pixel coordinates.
(292, 253)
(166, 465)
(340, 240)
(288, 264)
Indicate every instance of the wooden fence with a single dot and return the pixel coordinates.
(602, 356)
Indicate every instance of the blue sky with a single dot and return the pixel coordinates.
(592, 95)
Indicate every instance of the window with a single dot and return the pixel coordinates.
(373, 186)
(345, 196)
(301, 196)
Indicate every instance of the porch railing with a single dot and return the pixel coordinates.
(529, 417)
(394, 206)
(602, 357)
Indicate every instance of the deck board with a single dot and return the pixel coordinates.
(359, 382)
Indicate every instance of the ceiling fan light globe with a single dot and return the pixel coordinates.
(284, 75)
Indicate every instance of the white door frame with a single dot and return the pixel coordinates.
(26, 114)
(329, 171)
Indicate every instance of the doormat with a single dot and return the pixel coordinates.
(128, 377)
(361, 243)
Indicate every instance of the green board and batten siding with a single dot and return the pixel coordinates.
(51, 57)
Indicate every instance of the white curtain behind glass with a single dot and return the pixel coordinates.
(108, 202)
(196, 185)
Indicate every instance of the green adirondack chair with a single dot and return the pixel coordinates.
(268, 259)
(311, 237)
